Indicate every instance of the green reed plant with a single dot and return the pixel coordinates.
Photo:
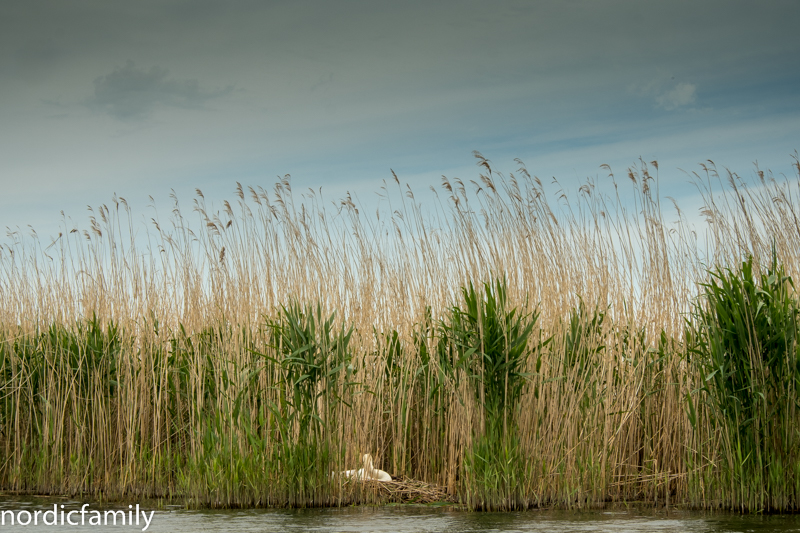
(582, 350)
(745, 339)
(579, 361)
(69, 374)
(432, 385)
(317, 374)
(316, 362)
(90, 352)
(396, 402)
(490, 342)
(21, 361)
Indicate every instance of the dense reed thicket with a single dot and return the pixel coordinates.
(516, 346)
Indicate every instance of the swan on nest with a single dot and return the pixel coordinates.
(368, 471)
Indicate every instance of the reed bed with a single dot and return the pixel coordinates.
(506, 344)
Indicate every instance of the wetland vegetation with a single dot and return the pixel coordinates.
(516, 345)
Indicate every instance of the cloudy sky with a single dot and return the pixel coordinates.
(137, 98)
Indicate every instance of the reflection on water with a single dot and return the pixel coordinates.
(395, 519)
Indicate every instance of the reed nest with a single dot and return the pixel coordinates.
(405, 490)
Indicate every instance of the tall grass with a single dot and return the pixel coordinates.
(745, 341)
(489, 342)
(517, 344)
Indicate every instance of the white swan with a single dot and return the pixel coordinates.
(368, 472)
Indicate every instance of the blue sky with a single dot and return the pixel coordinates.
(138, 98)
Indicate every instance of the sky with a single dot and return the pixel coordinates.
(137, 99)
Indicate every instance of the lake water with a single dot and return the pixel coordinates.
(368, 519)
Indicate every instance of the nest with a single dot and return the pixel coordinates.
(404, 490)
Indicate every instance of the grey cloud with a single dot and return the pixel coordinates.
(666, 93)
(681, 95)
(131, 92)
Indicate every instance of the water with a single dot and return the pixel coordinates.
(403, 519)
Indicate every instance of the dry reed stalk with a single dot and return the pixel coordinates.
(194, 411)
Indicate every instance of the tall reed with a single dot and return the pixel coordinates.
(489, 342)
(745, 342)
(518, 344)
